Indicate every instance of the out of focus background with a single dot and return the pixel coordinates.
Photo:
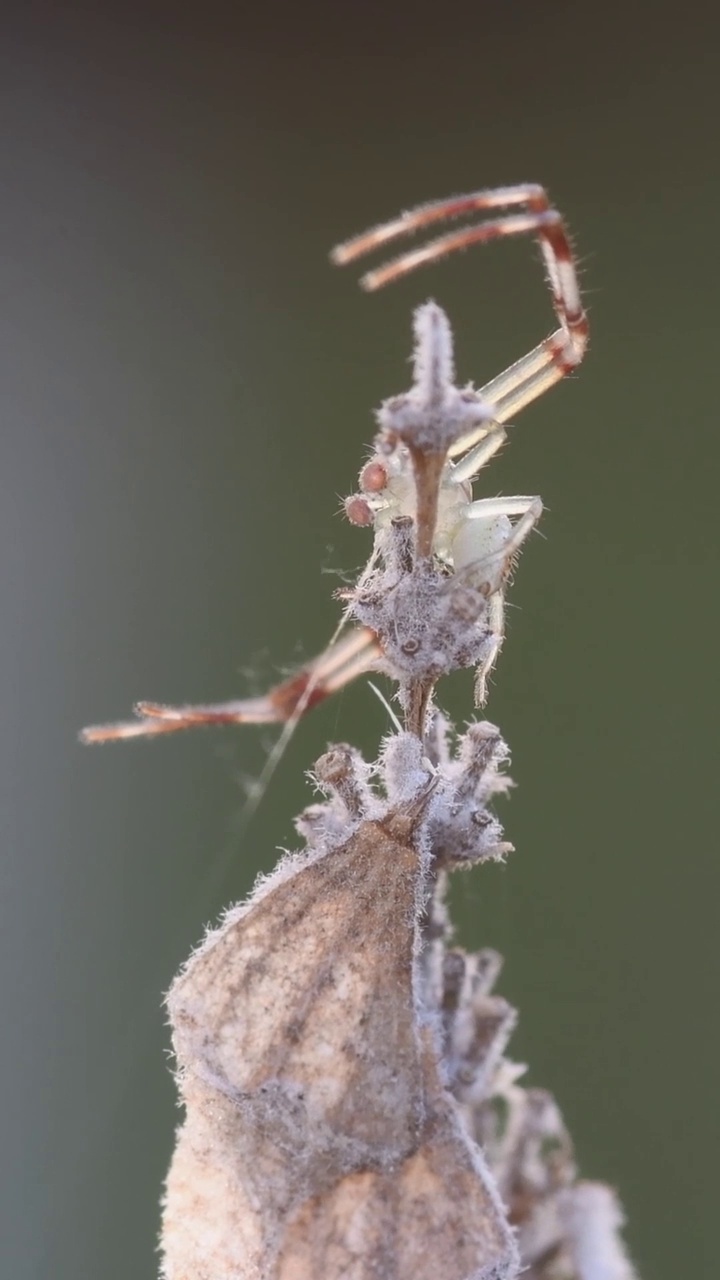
(186, 389)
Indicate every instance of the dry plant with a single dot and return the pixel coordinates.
(349, 1110)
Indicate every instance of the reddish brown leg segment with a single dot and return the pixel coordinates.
(348, 658)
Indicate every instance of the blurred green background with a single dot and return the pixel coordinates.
(187, 387)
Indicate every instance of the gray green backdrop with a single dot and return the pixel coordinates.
(185, 389)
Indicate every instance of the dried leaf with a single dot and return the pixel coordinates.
(319, 1140)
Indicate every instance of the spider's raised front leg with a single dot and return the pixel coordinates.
(484, 546)
(467, 468)
(563, 350)
(342, 662)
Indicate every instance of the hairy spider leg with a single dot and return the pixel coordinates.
(467, 468)
(559, 353)
(343, 661)
(492, 570)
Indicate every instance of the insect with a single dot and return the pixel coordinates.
(457, 532)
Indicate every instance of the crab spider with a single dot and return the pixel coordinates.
(476, 540)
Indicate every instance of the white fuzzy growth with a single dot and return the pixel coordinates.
(404, 767)
(433, 355)
(434, 414)
(593, 1219)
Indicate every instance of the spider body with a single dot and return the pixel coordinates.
(466, 532)
(395, 499)
(472, 542)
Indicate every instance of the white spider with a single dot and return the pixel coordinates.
(474, 538)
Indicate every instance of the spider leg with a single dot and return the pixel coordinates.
(467, 468)
(424, 215)
(491, 508)
(547, 363)
(497, 566)
(496, 623)
(493, 569)
(341, 663)
(528, 379)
